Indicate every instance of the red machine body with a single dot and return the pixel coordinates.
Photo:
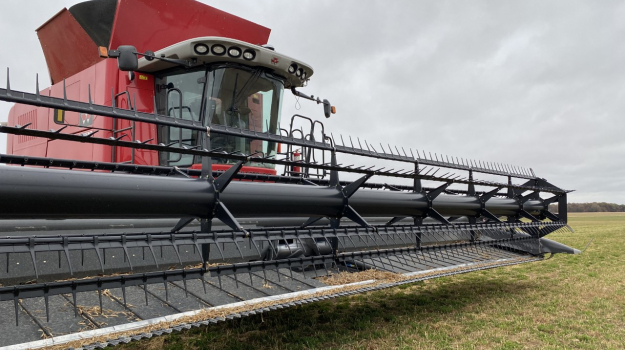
(70, 42)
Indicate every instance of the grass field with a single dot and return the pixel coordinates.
(562, 303)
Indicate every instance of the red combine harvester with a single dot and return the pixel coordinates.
(143, 195)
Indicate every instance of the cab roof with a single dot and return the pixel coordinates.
(207, 50)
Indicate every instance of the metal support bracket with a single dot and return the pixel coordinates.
(430, 196)
(346, 191)
(483, 199)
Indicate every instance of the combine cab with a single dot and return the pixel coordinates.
(142, 195)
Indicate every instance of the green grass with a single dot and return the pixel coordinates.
(563, 303)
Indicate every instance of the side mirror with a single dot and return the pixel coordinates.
(127, 59)
(328, 109)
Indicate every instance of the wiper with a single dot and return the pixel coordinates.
(236, 97)
(232, 108)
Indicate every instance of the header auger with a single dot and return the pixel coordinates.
(151, 193)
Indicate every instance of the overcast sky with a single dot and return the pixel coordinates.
(538, 84)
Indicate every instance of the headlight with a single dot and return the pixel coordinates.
(292, 68)
(304, 76)
(249, 55)
(299, 72)
(218, 49)
(234, 52)
(200, 49)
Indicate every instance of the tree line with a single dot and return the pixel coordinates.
(590, 207)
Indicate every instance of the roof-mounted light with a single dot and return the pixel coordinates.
(213, 50)
(249, 54)
(218, 49)
(201, 49)
(234, 52)
(292, 68)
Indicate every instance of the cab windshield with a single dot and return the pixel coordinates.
(234, 96)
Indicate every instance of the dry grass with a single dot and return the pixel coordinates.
(346, 277)
(568, 302)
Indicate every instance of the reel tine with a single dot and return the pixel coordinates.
(239, 249)
(172, 238)
(360, 237)
(398, 235)
(97, 252)
(166, 288)
(366, 239)
(363, 263)
(323, 232)
(300, 241)
(184, 283)
(126, 251)
(66, 250)
(457, 232)
(8, 86)
(253, 242)
(407, 234)
(31, 249)
(203, 281)
(375, 266)
(15, 302)
(344, 264)
(325, 268)
(314, 240)
(264, 272)
(149, 239)
(350, 239)
(398, 258)
(145, 289)
(334, 264)
(221, 252)
(100, 298)
(286, 242)
(340, 242)
(47, 306)
(196, 247)
(74, 301)
(272, 247)
(375, 230)
(390, 262)
(278, 271)
(409, 256)
(400, 255)
(124, 294)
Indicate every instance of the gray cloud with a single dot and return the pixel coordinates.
(530, 83)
